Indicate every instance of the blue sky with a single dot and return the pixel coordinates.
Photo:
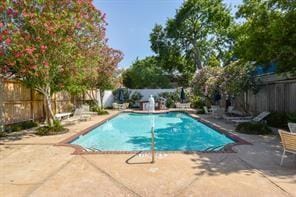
(130, 22)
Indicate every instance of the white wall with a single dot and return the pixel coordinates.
(147, 92)
(108, 96)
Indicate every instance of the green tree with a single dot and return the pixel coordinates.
(169, 56)
(207, 81)
(145, 74)
(198, 31)
(36, 49)
(49, 45)
(237, 77)
(268, 33)
(213, 61)
(233, 79)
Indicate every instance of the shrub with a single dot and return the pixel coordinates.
(253, 128)
(56, 128)
(135, 98)
(99, 110)
(197, 102)
(57, 124)
(170, 103)
(69, 107)
(20, 126)
(209, 77)
(233, 79)
(171, 98)
(126, 94)
(13, 128)
(2, 134)
(92, 105)
(103, 112)
(280, 119)
(291, 117)
(29, 124)
(95, 108)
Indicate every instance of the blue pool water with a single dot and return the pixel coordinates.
(174, 131)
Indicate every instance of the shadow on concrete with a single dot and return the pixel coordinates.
(16, 136)
(263, 157)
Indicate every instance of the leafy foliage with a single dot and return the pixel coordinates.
(171, 98)
(100, 73)
(99, 110)
(135, 99)
(207, 80)
(197, 102)
(55, 129)
(237, 77)
(253, 128)
(126, 94)
(94, 107)
(55, 45)
(20, 126)
(202, 33)
(280, 119)
(102, 112)
(233, 79)
(145, 73)
(268, 33)
(169, 56)
(2, 134)
(196, 36)
(42, 42)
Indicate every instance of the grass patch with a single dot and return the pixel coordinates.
(253, 128)
(57, 128)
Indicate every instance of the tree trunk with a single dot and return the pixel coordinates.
(50, 115)
(101, 98)
(47, 104)
(197, 56)
(92, 96)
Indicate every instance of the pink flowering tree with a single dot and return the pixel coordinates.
(48, 44)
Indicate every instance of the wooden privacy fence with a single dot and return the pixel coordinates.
(21, 103)
(277, 93)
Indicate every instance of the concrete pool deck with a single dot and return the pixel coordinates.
(33, 166)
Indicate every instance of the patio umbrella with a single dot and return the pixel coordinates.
(121, 96)
(182, 96)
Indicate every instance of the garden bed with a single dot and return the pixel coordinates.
(254, 128)
(43, 131)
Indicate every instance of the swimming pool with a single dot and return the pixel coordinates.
(174, 131)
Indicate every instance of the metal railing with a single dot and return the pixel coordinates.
(152, 145)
